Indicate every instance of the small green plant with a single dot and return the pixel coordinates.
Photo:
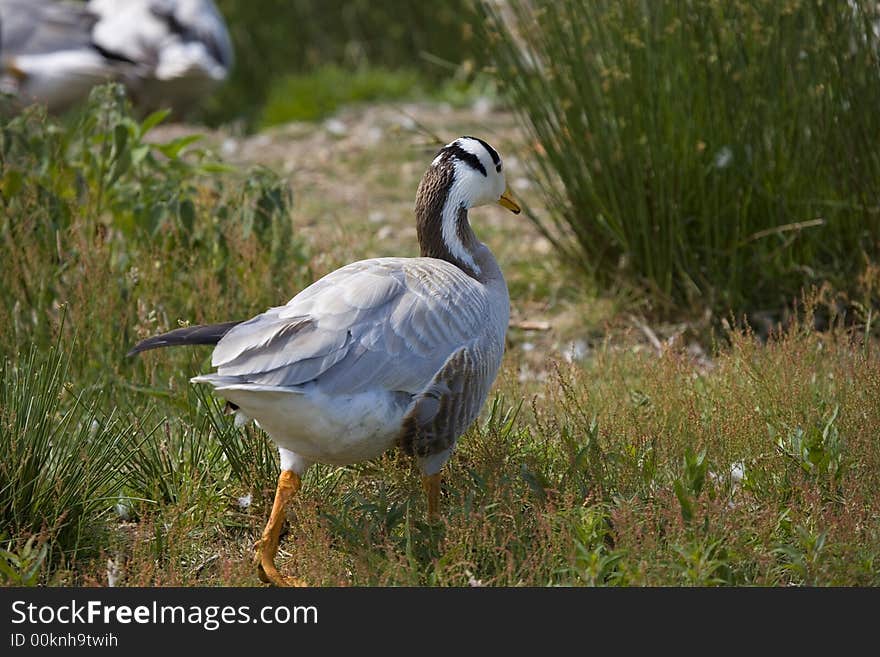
(818, 450)
(22, 567)
(702, 564)
(101, 161)
(369, 520)
(595, 562)
(690, 484)
(803, 556)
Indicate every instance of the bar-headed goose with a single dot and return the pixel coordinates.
(380, 352)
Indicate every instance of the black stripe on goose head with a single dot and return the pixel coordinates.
(496, 159)
(454, 151)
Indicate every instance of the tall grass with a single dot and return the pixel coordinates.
(106, 236)
(760, 466)
(61, 455)
(631, 469)
(720, 154)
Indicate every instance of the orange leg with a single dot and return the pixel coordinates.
(267, 546)
(431, 485)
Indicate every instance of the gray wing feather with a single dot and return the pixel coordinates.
(389, 322)
(262, 350)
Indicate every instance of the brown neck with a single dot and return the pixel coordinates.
(442, 221)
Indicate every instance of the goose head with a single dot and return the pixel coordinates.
(466, 173)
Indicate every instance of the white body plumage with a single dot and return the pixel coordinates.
(331, 375)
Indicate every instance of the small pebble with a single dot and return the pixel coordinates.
(335, 127)
(229, 147)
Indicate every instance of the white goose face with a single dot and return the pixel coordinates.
(479, 172)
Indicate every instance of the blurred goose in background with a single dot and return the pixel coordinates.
(380, 352)
(168, 53)
(181, 48)
(47, 54)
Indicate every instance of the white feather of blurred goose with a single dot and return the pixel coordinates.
(47, 55)
(181, 48)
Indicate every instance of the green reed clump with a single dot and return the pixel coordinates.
(61, 455)
(197, 454)
(718, 154)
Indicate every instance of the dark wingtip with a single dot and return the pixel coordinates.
(189, 335)
(135, 350)
(145, 345)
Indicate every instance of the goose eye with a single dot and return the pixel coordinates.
(498, 168)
